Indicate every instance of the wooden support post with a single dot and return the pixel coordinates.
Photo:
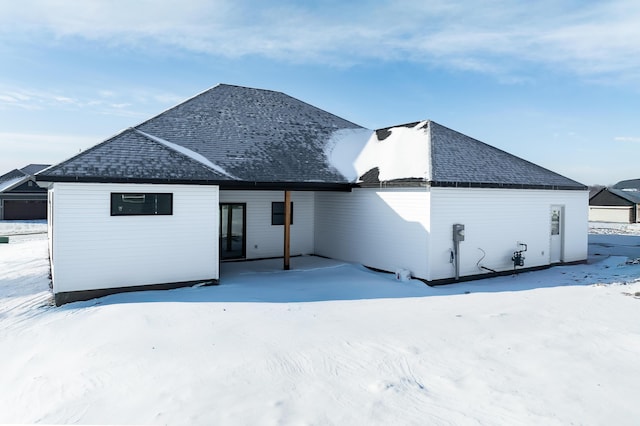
(287, 228)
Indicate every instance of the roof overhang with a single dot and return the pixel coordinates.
(223, 184)
(286, 186)
(442, 184)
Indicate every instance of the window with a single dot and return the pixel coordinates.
(131, 204)
(277, 213)
(555, 222)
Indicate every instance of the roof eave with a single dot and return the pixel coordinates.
(224, 184)
(445, 184)
(106, 179)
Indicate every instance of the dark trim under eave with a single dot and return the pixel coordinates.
(285, 186)
(421, 183)
(223, 184)
(444, 184)
(98, 179)
(80, 296)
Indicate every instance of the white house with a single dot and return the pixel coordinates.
(241, 173)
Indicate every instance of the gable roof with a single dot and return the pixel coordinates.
(450, 158)
(252, 138)
(614, 197)
(17, 177)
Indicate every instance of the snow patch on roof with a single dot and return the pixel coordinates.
(403, 154)
(189, 153)
(8, 184)
(343, 148)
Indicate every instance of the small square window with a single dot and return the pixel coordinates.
(277, 213)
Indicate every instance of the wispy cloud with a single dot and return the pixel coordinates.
(595, 40)
(627, 139)
(135, 103)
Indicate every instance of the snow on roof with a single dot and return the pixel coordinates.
(7, 184)
(398, 152)
(261, 136)
(343, 149)
(189, 153)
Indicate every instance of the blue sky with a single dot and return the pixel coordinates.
(555, 82)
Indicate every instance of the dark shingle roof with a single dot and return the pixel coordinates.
(627, 184)
(256, 135)
(32, 169)
(460, 159)
(444, 157)
(614, 197)
(16, 177)
(633, 196)
(131, 156)
(28, 170)
(13, 174)
(242, 136)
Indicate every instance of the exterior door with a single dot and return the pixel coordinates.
(232, 230)
(557, 231)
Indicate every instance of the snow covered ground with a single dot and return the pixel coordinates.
(327, 343)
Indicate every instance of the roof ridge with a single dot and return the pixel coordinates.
(186, 152)
(189, 99)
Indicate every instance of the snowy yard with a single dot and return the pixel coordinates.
(327, 343)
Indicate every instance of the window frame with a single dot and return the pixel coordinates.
(274, 214)
(158, 209)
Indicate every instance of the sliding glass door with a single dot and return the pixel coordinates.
(232, 230)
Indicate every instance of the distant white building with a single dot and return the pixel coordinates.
(215, 178)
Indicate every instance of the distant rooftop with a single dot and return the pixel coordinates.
(631, 184)
(28, 170)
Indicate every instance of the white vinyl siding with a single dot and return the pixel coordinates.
(265, 240)
(386, 229)
(496, 220)
(619, 214)
(93, 250)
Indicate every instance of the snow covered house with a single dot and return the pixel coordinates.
(619, 203)
(20, 197)
(242, 173)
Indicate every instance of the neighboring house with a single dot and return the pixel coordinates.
(619, 203)
(20, 196)
(241, 173)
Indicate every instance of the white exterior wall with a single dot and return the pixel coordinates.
(266, 240)
(386, 229)
(496, 220)
(93, 250)
(620, 214)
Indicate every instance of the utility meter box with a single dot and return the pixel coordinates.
(458, 232)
